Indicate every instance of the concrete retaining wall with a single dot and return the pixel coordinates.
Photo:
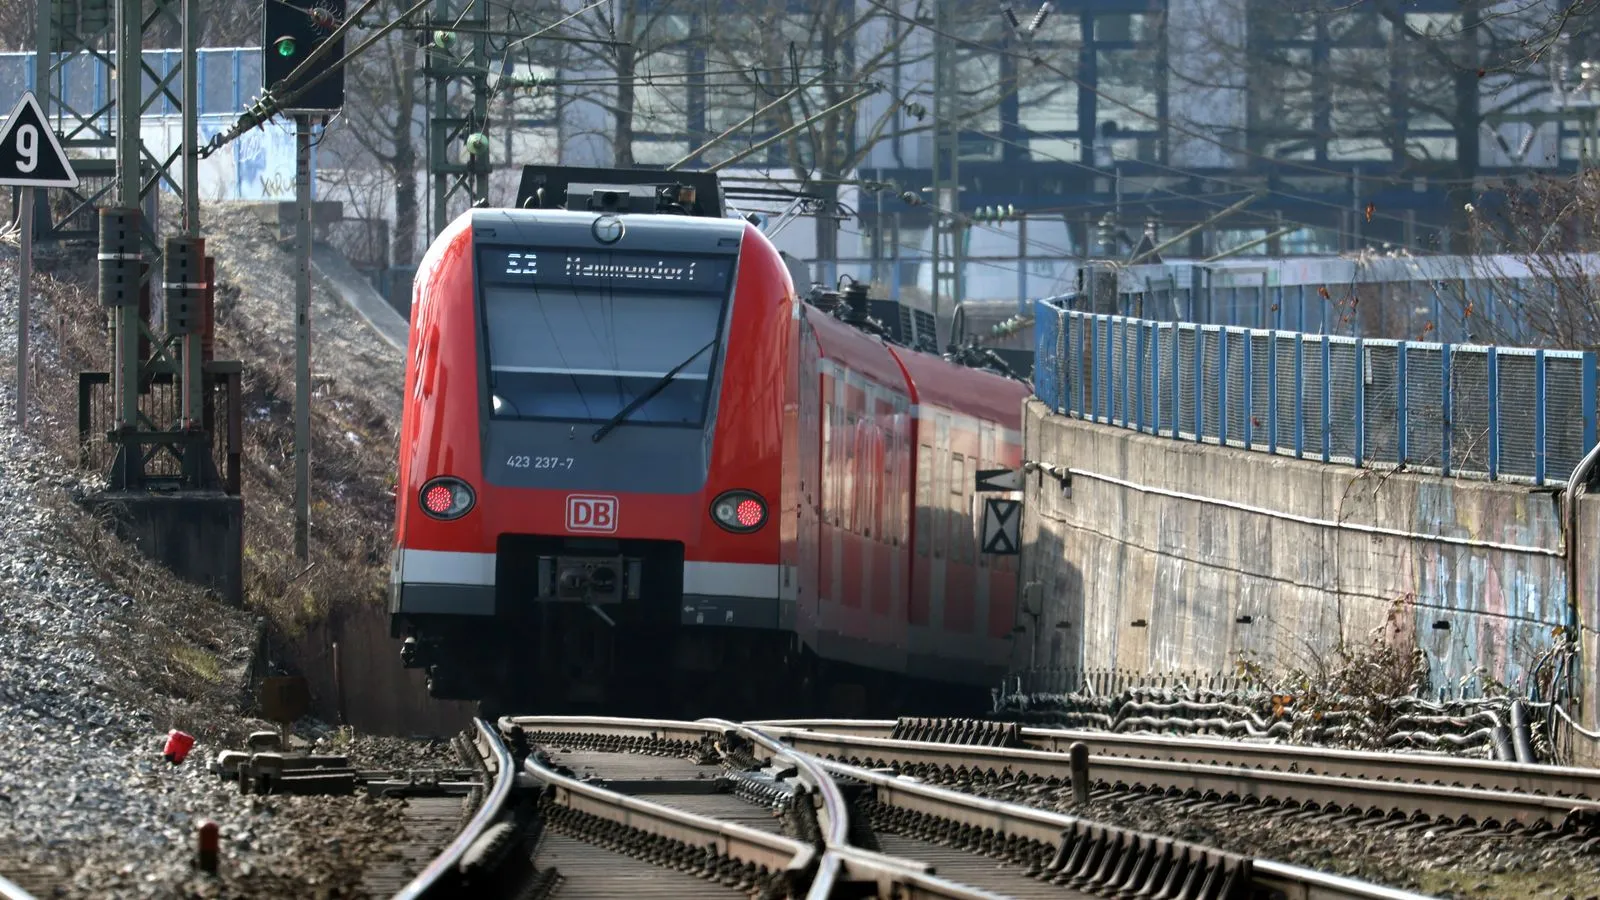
(1167, 556)
(364, 681)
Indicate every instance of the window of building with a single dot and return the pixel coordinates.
(660, 75)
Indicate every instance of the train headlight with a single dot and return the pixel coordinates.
(446, 498)
(740, 512)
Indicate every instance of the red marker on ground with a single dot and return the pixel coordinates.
(178, 746)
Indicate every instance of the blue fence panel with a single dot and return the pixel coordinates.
(1523, 414)
(1048, 351)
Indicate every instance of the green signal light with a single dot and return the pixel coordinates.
(286, 46)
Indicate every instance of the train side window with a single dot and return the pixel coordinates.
(830, 473)
(883, 495)
(897, 465)
(952, 505)
(851, 485)
(924, 497)
(957, 516)
(969, 489)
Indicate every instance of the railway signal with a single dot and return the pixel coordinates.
(30, 157)
(302, 72)
(293, 34)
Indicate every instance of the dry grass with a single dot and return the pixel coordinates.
(353, 454)
(1354, 682)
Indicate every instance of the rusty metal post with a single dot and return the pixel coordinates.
(144, 316)
(1078, 760)
(208, 312)
(302, 340)
(338, 684)
(235, 431)
(208, 850)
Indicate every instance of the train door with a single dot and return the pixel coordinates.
(810, 494)
(983, 563)
(939, 515)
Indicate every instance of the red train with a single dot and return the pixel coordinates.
(640, 474)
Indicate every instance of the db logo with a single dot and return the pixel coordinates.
(591, 512)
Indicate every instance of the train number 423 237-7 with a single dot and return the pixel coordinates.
(539, 462)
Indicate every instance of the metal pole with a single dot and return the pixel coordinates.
(302, 339)
(438, 128)
(130, 94)
(24, 289)
(947, 222)
(193, 375)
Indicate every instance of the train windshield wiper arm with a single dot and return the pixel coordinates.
(649, 393)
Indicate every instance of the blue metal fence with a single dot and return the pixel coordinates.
(227, 77)
(1503, 413)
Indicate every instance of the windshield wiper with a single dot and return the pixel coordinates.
(654, 389)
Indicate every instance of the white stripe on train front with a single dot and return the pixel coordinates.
(446, 567)
(715, 579)
(719, 579)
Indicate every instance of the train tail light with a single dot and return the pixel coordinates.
(446, 498)
(740, 512)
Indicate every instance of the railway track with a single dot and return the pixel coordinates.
(598, 807)
(847, 830)
(1417, 768)
(1401, 789)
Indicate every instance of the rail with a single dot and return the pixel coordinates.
(1321, 791)
(1417, 768)
(440, 876)
(10, 891)
(735, 850)
(843, 862)
(837, 862)
(1060, 845)
(1094, 855)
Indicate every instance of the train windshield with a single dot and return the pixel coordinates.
(576, 336)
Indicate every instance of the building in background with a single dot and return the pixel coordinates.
(1365, 124)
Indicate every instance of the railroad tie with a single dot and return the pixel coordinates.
(1107, 859)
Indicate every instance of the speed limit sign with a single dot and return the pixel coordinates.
(30, 155)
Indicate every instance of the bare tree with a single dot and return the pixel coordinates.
(377, 145)
(1534, 279)
(626, 66)
(17, 22)
(1374, 80)
(837, 49)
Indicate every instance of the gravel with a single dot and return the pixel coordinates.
(88, 807)
(1428, 861)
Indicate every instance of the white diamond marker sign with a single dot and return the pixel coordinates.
(1001, 521)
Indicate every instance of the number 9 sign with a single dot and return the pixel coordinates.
(30, 155)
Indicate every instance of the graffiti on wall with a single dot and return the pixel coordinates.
(1174, 585)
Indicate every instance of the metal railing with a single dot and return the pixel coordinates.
(1511, 414)
(160, 408)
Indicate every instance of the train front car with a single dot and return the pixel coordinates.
(591, 457)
